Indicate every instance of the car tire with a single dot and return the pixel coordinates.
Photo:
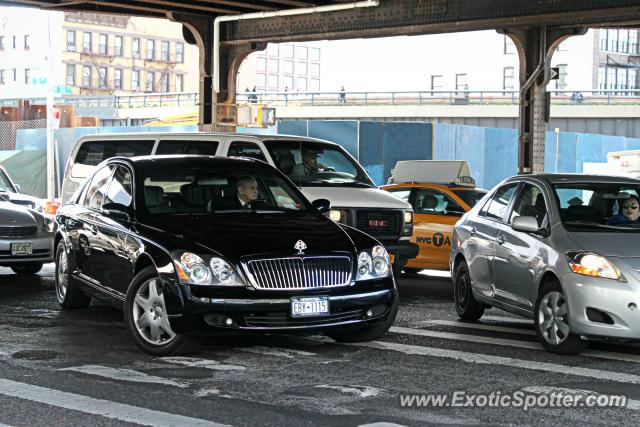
(551, 320)
(25, 269)
(466, 305)
(146, 318)
(368, 332)
(67, 293)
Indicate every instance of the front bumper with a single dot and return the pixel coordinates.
(195, 311)
(620, 301)
(403, 251)
(42, 247)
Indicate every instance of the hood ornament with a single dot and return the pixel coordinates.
(300, 246)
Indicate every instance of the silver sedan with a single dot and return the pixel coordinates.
(26, 238)
(562, 249)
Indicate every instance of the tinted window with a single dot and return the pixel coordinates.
(499, 202)
(91, 153)
(97, 189)
(432, 202)
(530, 202)
(246, 149)
(470, 197)
(207, 148)
(120, 189)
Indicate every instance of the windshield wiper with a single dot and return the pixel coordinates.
(621, 226)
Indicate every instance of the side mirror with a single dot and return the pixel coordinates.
(17, 187)
(116, 210)
(527, 224)
(322, 205)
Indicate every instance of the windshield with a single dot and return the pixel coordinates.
(310, 163)
(5, 184)
(599, 206)
(470, 197)
(199, 190)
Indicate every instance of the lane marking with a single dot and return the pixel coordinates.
(514, 320)
(435, 273)
(633, 405)
(503, 361)
(635, 358)
(356, 390)
(123, 375)
(193, 362)
(481, 326)
(104, 408)
(382, 424)
(276, 351)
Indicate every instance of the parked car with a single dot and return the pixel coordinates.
(26, 238)
(140, 234)
(545, 246)
(440, 192)
(337, 176)
(10, 192)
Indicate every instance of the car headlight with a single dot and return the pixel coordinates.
(407, 227)
(590, 264)
(47, 225)
(373, 264)
(408, 217)
(193, 269)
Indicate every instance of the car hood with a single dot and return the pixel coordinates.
(13, 215)
(623, 245)
(355, 197)
(21, 199)
(235, 235)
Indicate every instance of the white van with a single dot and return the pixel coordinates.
(321, 169)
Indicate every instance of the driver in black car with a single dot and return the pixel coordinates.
(310, 163)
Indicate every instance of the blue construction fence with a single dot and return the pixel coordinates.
(491, 152)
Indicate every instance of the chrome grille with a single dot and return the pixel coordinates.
(299, 272)
(18, 231)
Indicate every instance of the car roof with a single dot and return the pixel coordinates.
(451, 187)
(570, 178)
(187, 159)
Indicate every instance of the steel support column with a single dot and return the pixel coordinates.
(198, 30)
(535, 48)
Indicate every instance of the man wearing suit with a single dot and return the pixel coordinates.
(247, 192)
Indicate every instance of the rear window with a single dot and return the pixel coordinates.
(470, 197)
(207, 148)
(91, 153)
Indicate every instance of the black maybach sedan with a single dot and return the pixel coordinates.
(167, 239)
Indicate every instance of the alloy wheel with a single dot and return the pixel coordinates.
(552, 318)
(62, 275)
(150, 315)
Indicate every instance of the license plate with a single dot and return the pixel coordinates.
(309, 306)
(21, 249)
(392, 258)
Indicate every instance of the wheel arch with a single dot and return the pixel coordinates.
(548, 277)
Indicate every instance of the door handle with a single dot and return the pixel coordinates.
(501, 239)
(474, 230)
(94, 229)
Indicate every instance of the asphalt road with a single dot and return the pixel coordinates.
(79, 368)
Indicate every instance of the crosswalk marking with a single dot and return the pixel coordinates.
(503, 361)
(481, 326)
(508, 342)
(104, 408)
(631, 404)
(121, 374)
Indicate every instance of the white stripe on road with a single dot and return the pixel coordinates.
(633, 405)
(503, 361)
(357, 390)
(513, 320)
(287, 353)
(507, 342)
(123, 375)
(104, 408)
(193, 362)
(481, 326)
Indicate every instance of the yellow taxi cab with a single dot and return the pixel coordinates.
(440, 191)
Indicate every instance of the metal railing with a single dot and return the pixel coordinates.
(445, 97)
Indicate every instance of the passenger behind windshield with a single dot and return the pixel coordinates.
(309, 163)
(599, 206)
(200, 190)
(630, 212)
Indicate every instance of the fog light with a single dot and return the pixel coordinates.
(632, 306)
(228, 321)
(369, 313)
